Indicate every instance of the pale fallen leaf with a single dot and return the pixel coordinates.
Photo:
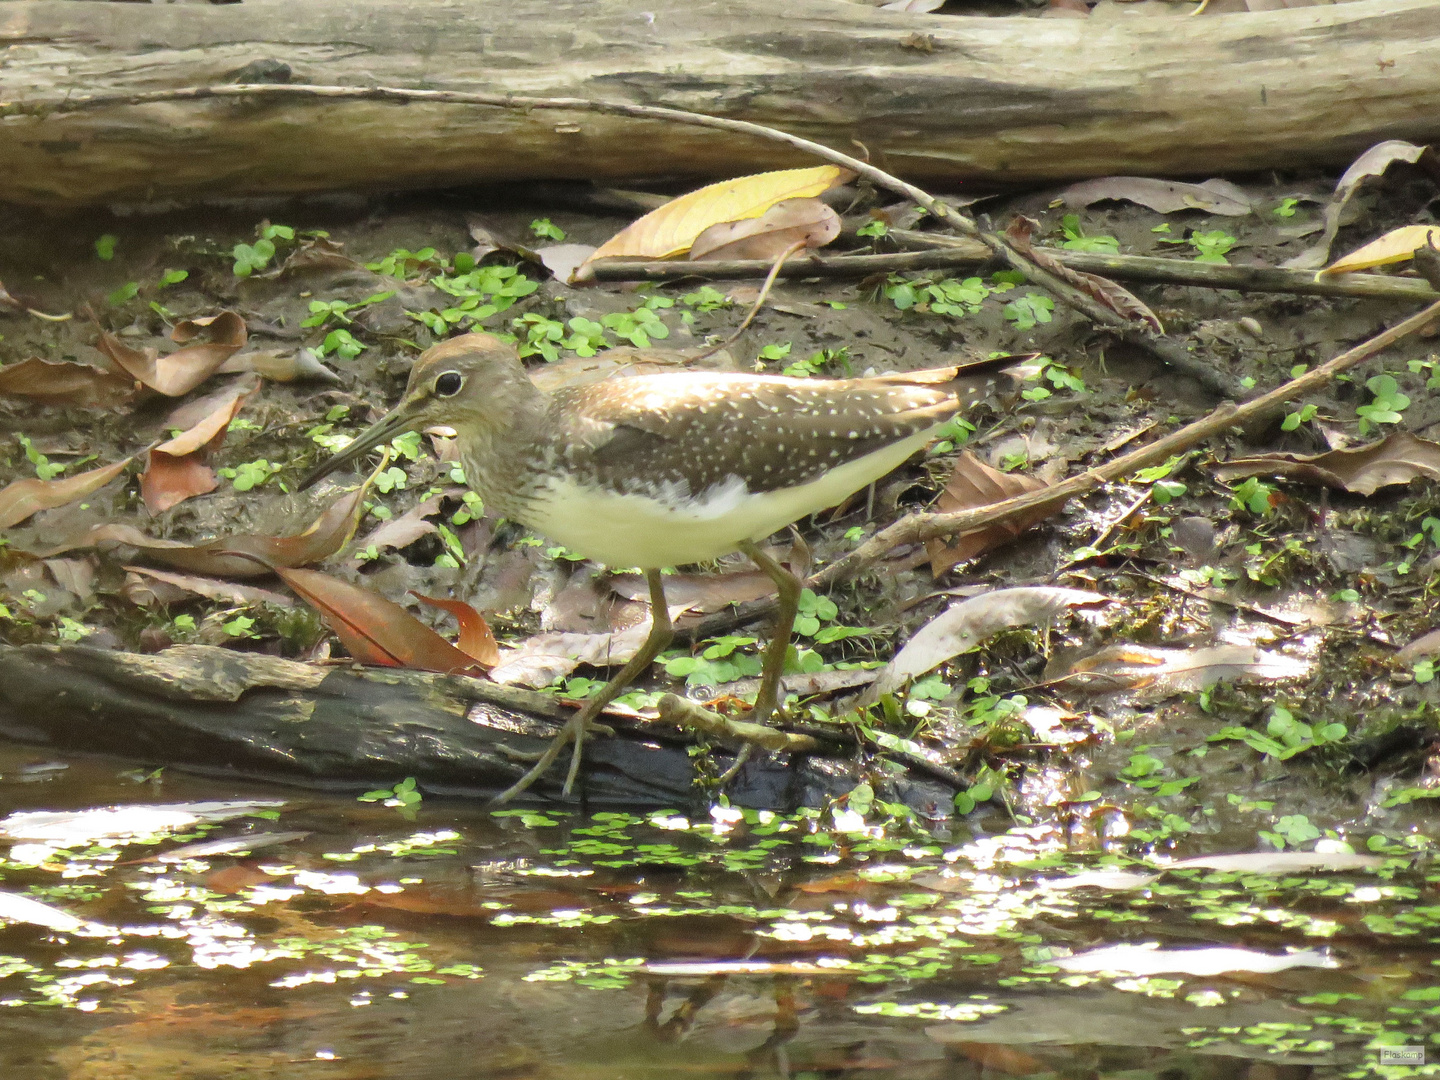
(671, 229)
(808, 222)
(231, 845)
(1118, 880)
(1396, 459)
(213, 588)
(965, 625)
(1170, 671)
(76, 827)
(1150, 959)
(25, 497)
(972, 483)
(404, 530)
(913, 6)
(1372, 162)
(280, 365)
(65, 383)
(1162, 196)
(1281, 862)
(17, 908)
(1398, 245)
(542, 659)
(563, 260)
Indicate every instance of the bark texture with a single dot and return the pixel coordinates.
(220, 711)
(934, 98)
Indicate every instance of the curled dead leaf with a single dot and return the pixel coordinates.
(26, 497)
(1373, 162)
(476, 640)
(808, 222)
(1169, 671)
(177, 470)
(1116, 297)
(65, 383)
(671, 229)
(179, 372)
(1162, 196)
(373, 629)
(972, 484)
(1396, 459)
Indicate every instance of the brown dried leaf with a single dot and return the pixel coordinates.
(542, 659)
(1162, 196)
(408, 527)
(1396, 459)
(227, 555)
(792, 221)
(375, 630)
(65, 383)
(176, 470)
(180, 372)
(26, 497)
(1172, 671)
(476, 640)
(972, 484)
(1117, 298)
(1372, 162)
(213, 589)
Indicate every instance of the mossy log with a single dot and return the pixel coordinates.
(935, 98)
(224, 712)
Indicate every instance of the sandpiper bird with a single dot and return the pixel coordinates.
(659, 470)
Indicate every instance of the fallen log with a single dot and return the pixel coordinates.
(223, 712)
(932, 97)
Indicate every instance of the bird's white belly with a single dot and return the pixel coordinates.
(650, 532)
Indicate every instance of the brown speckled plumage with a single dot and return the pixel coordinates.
(690, 443)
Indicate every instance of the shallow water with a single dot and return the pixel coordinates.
(438, 941)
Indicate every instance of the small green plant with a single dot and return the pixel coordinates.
(1058, 375)
(252, 257)
(1076, 240)
(250, 474)
(1212, 246)
(539, 336)
(1292, 830)
(778, 350)
(388, 480)
(1423, 671)
(1386, 406)
(405, 264)
(172, 277)
(719, 662)
(1286, 209)
(816, 362)
(105, 247)
(454, 554)
(342, 343)
(1163, 489)
(706, 298)
(322, 311)
(45, 469)
(404, 795)
(873, 228)
(1028, 311)
(814, 610)
(943, 296)
(124, 294)
(71, 631)
(545, 229)
(639, 326)
(480, 293)
(1302, 415)
(1430, 369)
(1256, 496)
(1284, 736)
(241, 626)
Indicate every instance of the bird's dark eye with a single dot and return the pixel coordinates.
(448, 384)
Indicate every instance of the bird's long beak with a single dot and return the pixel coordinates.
(396, 422)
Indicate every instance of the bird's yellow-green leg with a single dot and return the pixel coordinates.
(769, 697)
(661, 633)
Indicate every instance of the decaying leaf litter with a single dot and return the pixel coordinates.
(1096, 683)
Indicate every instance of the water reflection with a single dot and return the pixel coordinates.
(324, 937)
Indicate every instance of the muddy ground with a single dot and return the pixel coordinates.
(1334, 582)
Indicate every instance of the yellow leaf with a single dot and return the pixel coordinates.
(670, 229)
(1393, 247)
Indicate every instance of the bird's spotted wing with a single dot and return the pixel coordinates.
(685, 434)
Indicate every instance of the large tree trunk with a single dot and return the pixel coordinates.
(932, 97)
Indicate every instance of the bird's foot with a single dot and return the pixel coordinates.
(575, 730)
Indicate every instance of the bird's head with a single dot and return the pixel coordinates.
(468, 383)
